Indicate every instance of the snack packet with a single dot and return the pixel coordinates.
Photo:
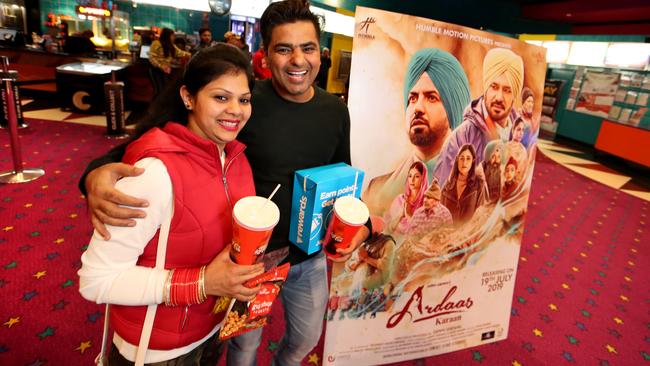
(244, 316)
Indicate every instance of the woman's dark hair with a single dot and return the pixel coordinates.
(418, 165)
(283, 12)
(205, 66)
(517, 122)
(454, 172)
(166, 42)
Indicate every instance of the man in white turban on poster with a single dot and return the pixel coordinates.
(490, 117)
(436, 91)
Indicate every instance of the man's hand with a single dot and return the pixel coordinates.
(104, 199)
(358, 238)
(223, 277)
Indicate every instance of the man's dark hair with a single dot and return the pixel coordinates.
(201, 30)
(205, 66)
(283, 12)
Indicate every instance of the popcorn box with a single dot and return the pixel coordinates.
(314, 193)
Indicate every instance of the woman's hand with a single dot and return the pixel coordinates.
(223, 277)
(104, 200)
(167, 69)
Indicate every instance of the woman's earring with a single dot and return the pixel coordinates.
(188, 106)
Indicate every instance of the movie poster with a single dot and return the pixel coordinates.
(597, 93)
(444, 122)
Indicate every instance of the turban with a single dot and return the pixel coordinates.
(433, 191)
(490, 147)
(512, 161)
(447, 75)
(503, 61)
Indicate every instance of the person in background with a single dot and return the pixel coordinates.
(323, 71)
(186, 141)
(205, 39)
(260, 68)
(293, 126)
(464, 191)
(166, 60)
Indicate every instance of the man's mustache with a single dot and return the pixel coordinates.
(498, 104)
(418, 119)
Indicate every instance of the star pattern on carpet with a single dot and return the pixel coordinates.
(11, 322)
(60, 305)
(477, 356)
(568, 356)
(40, 274)
(59, 241)
(83, 346)
(610, 349)
(48, 332)
(538, 333)
(313, 359)
(618, 320)
(273, 346)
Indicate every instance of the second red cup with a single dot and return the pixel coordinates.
(350, 214)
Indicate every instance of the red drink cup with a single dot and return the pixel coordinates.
(254, 220)
(349, 215)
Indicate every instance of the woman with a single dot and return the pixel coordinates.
(166, 60)
(404, 205)
(464, 191)
(195, 171)
(518, 130)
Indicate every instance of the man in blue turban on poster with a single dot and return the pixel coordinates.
(436, 91)
(489, 117)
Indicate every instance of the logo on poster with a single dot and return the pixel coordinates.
(365, 28)
(445, 307)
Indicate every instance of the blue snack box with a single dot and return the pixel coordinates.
(314, 193)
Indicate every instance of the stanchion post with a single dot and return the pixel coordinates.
(114, 101)
(19, 174)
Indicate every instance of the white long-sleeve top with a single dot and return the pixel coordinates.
(109, 273)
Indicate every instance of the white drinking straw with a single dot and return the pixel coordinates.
(356, 176)
(270, 196)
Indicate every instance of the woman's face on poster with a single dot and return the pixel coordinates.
(528, 104)
(465, 160)
(510, 173)
(518, 132)
(414, 180)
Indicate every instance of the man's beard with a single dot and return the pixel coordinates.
(422, 137)
(499, 116)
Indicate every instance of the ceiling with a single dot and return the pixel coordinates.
(593, 17)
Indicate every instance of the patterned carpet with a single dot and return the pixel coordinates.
(582, 295)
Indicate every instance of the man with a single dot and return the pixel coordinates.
(490, 116)
(205, 39)
(494, 155)
(436, 91)
(431, 215)
(293, 126)
(323, 71)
